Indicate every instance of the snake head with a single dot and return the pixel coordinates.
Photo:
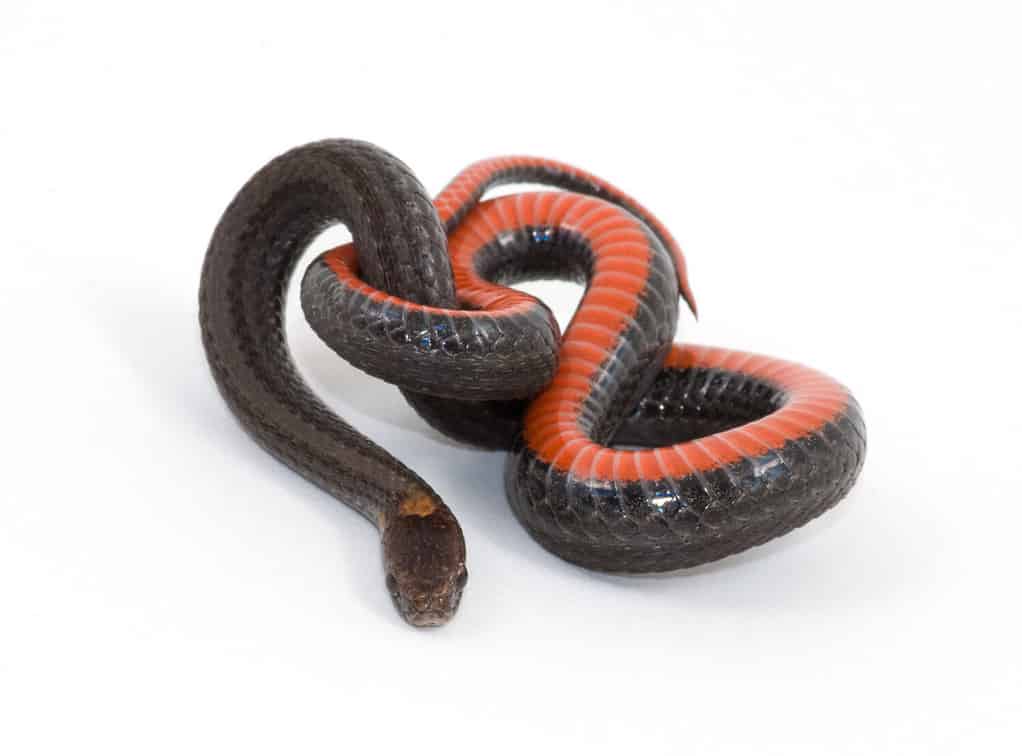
(424, 555)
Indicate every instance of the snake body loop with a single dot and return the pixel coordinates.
(726, 450)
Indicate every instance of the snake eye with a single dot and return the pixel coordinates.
(463, 579)
(392, 584)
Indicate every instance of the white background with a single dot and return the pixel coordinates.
(845, 180)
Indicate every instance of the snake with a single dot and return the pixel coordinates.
(626, 452)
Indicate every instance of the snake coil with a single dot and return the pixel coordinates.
(628, 453)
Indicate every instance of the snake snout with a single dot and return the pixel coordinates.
(427, 603)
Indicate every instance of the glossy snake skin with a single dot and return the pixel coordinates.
(628, 453)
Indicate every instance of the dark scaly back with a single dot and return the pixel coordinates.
(263, 232)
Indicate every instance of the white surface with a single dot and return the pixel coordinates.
(845, 180)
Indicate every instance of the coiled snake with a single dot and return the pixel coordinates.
(628, 453)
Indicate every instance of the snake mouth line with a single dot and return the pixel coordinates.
(428, 610)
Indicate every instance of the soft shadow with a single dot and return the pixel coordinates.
(352, 393)
(156, 332)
